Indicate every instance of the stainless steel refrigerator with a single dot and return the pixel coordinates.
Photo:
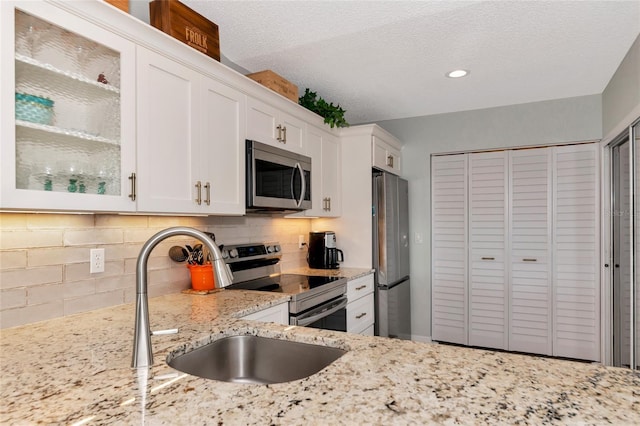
(391, 255)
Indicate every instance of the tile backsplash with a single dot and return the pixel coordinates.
(44, 258)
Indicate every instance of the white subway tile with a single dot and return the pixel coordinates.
(28, 239)
(13, 298)
(72, 289)
(40, 294)
(57, 256)
(68, 221)
(30, 314)
(125, 282)
(30, 276)
(13, 259)
(81, 271)
(93, 236)
(121, 221)
(13, 221)
(93, 301)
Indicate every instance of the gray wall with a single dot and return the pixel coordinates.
(539, 123)
(622, 95)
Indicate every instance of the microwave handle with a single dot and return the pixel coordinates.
(304, 185)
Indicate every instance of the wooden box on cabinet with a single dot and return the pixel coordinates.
(186, 25)
(276, 83)
(120, 4)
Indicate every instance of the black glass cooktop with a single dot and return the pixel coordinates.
(285, 283)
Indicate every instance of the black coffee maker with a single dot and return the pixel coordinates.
(323, 253)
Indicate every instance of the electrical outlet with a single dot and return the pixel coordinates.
(96, 261)
(301, 242)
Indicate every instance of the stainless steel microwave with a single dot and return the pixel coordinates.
(277, 180)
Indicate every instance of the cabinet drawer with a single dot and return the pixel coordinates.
(359, 287)
(360, 314)
(278, 314)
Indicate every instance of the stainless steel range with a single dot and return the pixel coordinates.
(316, 301)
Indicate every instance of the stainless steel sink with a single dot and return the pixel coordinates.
(253, 359)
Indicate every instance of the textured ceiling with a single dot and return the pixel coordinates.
(387, 59)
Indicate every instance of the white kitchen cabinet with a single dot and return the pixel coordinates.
(361, 305)
(386, 155)
(519, 270)
(325, 153)
(353, 227)
(68, 123)
(278, 314)
(272, 126)
(190, 140)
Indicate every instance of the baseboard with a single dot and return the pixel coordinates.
(422, 339)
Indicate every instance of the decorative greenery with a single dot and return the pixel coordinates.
(333, 114)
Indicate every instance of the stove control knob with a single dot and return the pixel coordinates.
(233, 253)
(225, 254)
(276, 248)
(270, 249)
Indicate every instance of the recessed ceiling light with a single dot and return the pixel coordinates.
(457, 73)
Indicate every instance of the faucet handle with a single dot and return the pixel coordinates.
(164, 332)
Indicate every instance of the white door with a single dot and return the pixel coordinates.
(530, 233)
(167, 134)
(449, 248)
(220, 152)
(488, 245)
(576, 298)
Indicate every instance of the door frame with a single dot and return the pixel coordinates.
(606, 146)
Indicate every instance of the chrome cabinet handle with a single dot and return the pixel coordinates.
(361, 315)
(390, 160)
(199, 197)
(529, 260)
(279, 128)
(207, 187)
(329, 203)
(361, 287)
(284, 133)
(132, 194)
(488, 258)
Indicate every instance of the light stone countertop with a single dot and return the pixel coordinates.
(350, 273)
(77, 369)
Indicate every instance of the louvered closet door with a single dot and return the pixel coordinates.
(449, 248)
(488, 292)
(576, 303)
(530, 270)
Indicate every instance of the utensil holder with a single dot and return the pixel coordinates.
(202, 277)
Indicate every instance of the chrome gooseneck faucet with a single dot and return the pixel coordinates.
(142, 353)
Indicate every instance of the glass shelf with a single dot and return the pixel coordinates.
(63, 135)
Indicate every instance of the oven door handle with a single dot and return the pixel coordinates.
(325, 312)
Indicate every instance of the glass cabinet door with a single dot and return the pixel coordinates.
(69, 133)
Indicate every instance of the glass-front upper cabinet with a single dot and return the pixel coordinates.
(67, 122)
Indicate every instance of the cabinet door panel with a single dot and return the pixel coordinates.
(530, 233)
(166, 136)
(72, 149)
(261, 122)
(449, 248)
(221, 149)
(576, 307)
(488, 242)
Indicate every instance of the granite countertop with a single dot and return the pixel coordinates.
(77, 370)
(350, 273)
